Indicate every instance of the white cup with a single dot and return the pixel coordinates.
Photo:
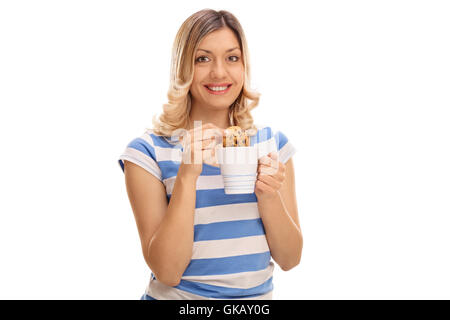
(238, 166)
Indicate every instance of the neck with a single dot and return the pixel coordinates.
(219, 118)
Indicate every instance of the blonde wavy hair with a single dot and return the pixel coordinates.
(176, 112)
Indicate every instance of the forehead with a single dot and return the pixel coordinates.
(219, 40)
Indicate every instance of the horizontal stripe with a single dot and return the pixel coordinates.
(281, 139)
(218, 197)
(229, 212)
(144, 146)
(286, 152)
(238, 175)
(147, 137)
(203, 183)
(208, 198)
(241, 280)
(147, 297)
(169, 168)
(263, 134)
(229, 247)
(209, 170)
(228, 230)
(216, 266)
(266, 296)
(141, 159)
(168, 154)
(240, 183)
(164, 151)
(218, 292)
(159, 291)
(249, 189)
(161, 141)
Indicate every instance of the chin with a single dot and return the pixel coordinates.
(221, 106)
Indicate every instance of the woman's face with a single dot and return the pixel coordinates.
(218, 70)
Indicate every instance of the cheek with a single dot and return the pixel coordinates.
(238, 76)
(196, 85)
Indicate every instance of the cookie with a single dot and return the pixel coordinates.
(234, 136)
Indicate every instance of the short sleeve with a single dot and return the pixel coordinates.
(141, 151)
(269, 140)
(284, 146)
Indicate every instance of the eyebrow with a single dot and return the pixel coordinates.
(225, 51)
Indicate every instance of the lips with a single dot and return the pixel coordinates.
(218, 84)
(222, 92)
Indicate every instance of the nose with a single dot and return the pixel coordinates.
(218, 70)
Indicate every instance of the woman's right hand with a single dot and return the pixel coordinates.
(199, 146)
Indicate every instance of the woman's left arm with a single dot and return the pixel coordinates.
(277, 205)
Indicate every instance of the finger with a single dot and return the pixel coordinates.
(281, 167)
(268, 162)
(202, 145)
(200, 133)
(274, 155)
(209, 143)
(270, 181)
(260, 185)
(276, 175)
(209, 156)
(213, 131)
(198, 136)
(263, 187)
(277, 165)
(207, 131)
(267, 170)
(263, 160)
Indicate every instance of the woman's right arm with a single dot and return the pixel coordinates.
(166, 230)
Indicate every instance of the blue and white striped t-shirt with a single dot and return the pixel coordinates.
(231, 258)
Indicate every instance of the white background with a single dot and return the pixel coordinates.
(361, 88)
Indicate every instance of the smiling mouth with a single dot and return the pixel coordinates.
(220, 90)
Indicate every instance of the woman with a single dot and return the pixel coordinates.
(199, 242)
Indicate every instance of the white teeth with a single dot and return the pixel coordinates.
(217, 88)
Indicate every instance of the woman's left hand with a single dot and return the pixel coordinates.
(271, 175)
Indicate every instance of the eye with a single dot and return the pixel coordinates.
(237, 58)
(197, 60)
